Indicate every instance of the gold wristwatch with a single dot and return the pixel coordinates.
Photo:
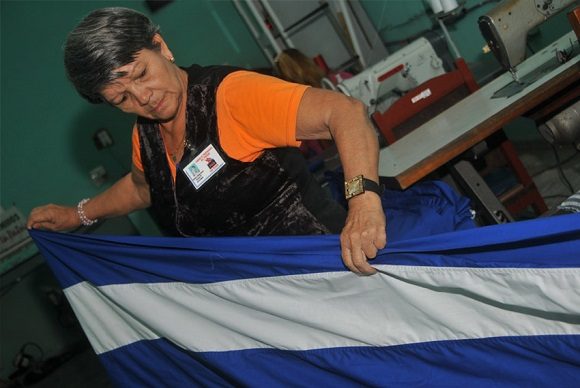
(358, 185)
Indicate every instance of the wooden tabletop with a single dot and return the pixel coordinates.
(473, 119)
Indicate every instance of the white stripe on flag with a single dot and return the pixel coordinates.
(400, 305)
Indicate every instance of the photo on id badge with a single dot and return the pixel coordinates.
(203, 166)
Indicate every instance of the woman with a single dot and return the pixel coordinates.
(214, 147)
(294, 66)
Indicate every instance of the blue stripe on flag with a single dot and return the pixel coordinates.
(550, 242)
(537, 361)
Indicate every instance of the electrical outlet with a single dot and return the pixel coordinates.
(98, 175)
(102, 139)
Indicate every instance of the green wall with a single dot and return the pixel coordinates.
(46, 148)
(47, 129)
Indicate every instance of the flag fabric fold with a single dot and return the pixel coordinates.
(491, 306)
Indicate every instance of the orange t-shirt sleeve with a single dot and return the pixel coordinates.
(256, 112)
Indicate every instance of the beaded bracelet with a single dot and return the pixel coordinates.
(80, 211)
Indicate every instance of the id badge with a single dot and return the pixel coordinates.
(203, 166)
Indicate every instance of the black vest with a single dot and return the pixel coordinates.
(241, 199)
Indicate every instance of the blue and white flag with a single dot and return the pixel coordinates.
(492, 306)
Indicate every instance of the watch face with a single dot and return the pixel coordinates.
(353, 187)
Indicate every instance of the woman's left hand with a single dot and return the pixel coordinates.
(364, 233)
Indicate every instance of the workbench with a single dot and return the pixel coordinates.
(475, 118)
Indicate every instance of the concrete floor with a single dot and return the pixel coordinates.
(541, 162)
(83, 371)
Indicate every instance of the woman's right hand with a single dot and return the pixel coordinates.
(53, 217)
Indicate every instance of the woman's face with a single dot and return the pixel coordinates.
(153, 86)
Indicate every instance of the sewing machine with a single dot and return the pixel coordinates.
(505, 28)
(384, 82)
(478, 116)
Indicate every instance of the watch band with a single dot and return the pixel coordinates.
(373, 186)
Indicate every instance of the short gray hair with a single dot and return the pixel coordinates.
(103, 41)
